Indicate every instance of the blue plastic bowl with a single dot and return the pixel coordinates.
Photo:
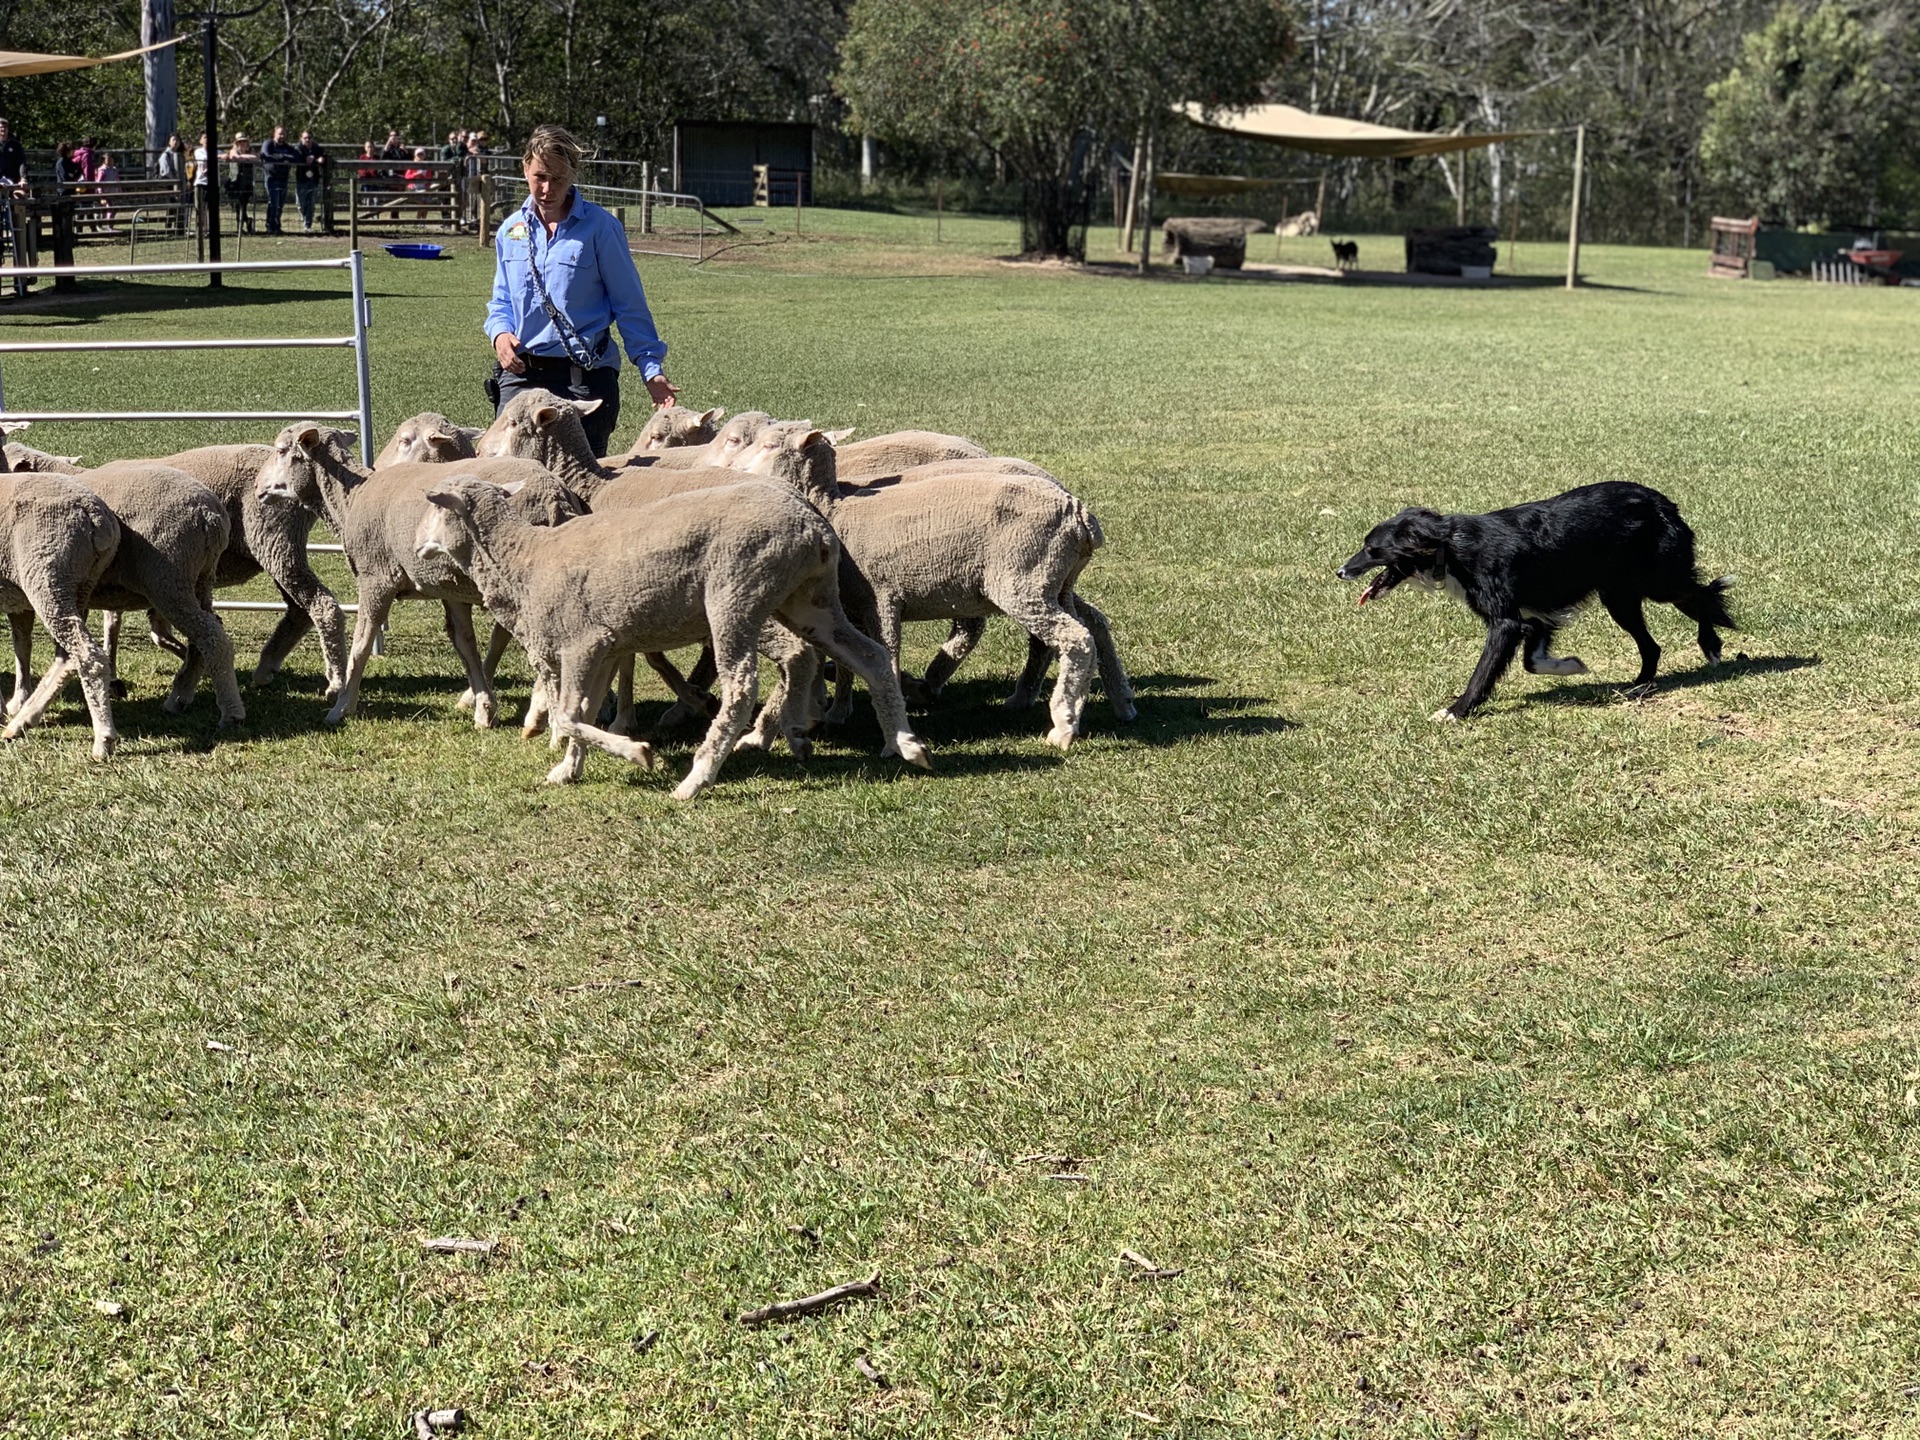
(415, 252)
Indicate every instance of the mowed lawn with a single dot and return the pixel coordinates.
(1551, 1074)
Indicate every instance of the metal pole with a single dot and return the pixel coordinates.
(1133, 197)
(361, 319)
(213, 150)
(1573, 221)
(1146, 209)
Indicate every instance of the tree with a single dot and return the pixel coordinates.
(1041, 83)
(1800, 129)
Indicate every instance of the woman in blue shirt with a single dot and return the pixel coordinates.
(563, 278)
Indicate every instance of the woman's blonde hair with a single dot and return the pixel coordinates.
(554, 143)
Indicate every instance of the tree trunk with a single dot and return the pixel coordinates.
(163, 89)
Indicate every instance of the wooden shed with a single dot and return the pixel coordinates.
(716, 160)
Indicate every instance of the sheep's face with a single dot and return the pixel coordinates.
(529, 424)
(439, 535)
(790, 450)
(733, 446)
(25, 460)
(291, 475)
(673, 426)
(427, 437)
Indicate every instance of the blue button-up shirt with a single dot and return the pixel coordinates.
(589, 273)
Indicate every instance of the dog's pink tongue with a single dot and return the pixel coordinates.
(1368, 593)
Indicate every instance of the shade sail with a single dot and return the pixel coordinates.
(24, 62)
(1331, 135)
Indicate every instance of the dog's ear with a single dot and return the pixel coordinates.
(1422, 531)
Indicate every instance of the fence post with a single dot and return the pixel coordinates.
(361, 319)
(486, 209)
(353, 210)
(646, 198)
(326, 194)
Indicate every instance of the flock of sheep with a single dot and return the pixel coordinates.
(753, 538)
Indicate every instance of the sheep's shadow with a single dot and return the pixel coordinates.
(1597, 692)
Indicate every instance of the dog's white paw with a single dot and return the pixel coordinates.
(1444, 716)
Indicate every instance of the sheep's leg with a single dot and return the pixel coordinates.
(497, 644)
(576, 729)
(377, 594)
(623, 719)
(694, 701)
(738, 667)
(110, 641)
(209, 647)
(786, 711)
(22, 626)
(66, 622)
(459, 624)
(309, 603)
(1043, 618)
(1033, 674)
(1113, 675)
(815, 615)
(961, 638)
(570, 700)
(886, 617)
(161, 634)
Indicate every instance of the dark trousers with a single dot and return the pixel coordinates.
(307, 190)
(276, 202)
(557, 376)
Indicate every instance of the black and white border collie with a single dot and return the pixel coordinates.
(1525, 570)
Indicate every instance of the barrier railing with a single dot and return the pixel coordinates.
(658, 222)
(354, 264)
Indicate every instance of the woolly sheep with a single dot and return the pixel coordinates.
(962, 546)
(375, 517)
(897, 451)
(428, 436)
(673, 427)
(57, 540)
(722, 561)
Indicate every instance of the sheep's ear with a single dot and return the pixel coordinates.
(545, 415)
(714, 416)
(513, 487)
(306, 437)
(68, 459)
(809, 438)
(837, 437)
(587, 407)
(9, 427)
(447, 496)
(441, 443)
(345, 440)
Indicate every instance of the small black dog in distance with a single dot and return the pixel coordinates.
(1525, 570)
(1346, 253)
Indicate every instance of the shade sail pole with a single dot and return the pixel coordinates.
(1573, 219)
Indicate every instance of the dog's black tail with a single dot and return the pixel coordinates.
(1707, 604)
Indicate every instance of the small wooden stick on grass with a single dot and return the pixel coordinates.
(452, 1245)
(812, 1304)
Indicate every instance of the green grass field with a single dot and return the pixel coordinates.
(1552, 1074)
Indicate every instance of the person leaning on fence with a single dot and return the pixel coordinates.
(309, 163)
(563, 278)
(168, 164)
(278, 157)
(200, 169)
(18, 236)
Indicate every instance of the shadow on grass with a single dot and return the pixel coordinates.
(1598, 693)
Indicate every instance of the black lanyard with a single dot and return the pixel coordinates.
(577, 348)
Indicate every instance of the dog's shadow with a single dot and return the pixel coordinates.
(1598, 692)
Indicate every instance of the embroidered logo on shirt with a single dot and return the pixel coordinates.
(517, 230)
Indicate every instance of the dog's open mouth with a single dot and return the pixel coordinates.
(1380, 584)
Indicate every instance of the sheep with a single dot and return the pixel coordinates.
(375, 517)
(960, 546)
(57, 540)
(173, 531)
(25, 460)
(428, 436)
(729, 441)
(899, 450)
(673, 427)
(722, 561)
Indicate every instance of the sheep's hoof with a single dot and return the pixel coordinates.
(533, 729)
(838, 715)
(641, 754)
(483, 712)
(624, 722)
(1444, 716)
(336, 716)
(103, 746)
(910, 749)
(1061, 736)
(801, 747)
(227, 722)
(465, 702)
(174, 705)
(752, 740)
(13, 732)
(563, 773)
(1019, 700)
(689, 789)
(1124, 710)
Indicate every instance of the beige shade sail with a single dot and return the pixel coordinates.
(1331, 135)
(1175, 183)
(24, 62)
